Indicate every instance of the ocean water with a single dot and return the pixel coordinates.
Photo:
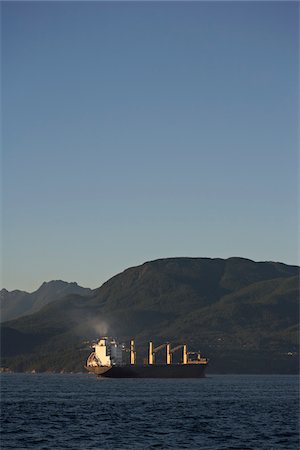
(78, 411)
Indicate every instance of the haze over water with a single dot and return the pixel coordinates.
(74, 411)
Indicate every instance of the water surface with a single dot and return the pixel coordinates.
(78, 411)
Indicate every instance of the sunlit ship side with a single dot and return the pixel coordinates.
(109, 359)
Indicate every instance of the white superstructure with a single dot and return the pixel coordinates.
(101, 352)
(107, 352)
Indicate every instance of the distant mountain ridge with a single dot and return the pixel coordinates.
(243, 315)
(18, 303)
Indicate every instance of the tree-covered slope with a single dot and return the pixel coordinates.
(226, 307)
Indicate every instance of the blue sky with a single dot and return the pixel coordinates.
(141, 130)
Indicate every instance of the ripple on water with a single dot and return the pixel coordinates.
(81, 412)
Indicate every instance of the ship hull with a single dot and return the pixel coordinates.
(151, 371)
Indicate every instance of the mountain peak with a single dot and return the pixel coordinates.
(229, 307)
(19, 303)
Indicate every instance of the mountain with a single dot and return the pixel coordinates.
(19, 303)
(242, 314)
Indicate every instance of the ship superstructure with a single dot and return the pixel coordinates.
(114, 360)
(106, 353)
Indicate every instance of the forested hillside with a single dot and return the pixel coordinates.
(242, 314)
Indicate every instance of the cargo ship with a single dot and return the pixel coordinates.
(110, 359)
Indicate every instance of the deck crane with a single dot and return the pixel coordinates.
(169, 352)
(185, 354)
(153, 351)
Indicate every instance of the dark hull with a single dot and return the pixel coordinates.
(151, 371)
